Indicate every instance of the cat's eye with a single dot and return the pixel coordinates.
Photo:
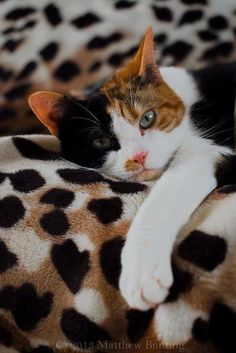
(147, 119)
(102, 143)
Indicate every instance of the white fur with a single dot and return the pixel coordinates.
(146, 257)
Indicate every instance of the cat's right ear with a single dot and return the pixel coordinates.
(45, 106)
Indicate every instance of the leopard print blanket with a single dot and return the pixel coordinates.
(67, 46)
(62, 229)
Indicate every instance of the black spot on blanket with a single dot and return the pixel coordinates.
(110, 261)
(122, 187)
(80, 331)
(5, 336)
(106, 210)
(11, 211)
(86, 20)
(162, 13)
(99, 42)
(19, 13)
(183, 282)
(49, 52)
(201, 330)
(26, 180)
(137, 323)
(71, 264)
(222, 328)
(7, 258)
(204, 250)
(190, 17)
(31, 150)
(58, 197)
(67, 70)
(55, 222)
(80, 176)
(26, 306)
(53, 15)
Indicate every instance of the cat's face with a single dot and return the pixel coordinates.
(130, 128)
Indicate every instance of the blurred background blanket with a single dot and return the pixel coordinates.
(68, 46)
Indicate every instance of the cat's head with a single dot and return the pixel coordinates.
(129, 128)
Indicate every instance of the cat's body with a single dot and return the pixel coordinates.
(143, 123)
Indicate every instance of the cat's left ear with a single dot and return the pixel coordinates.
(144, 62)
(45, 106)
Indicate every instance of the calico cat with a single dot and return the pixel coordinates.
(142, 123)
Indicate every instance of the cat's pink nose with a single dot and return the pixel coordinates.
(139, 157)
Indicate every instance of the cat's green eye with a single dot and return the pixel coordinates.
(102, 143)
(147, 119)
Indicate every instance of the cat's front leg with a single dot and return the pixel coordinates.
(146, 257)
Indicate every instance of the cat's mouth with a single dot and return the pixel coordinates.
(146, 175)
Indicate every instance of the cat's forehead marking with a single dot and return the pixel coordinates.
(131, 100)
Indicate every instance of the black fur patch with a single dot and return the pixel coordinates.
(220, 115)
(12, 44)
(53, 15)
(206, 36)
(11, 211)
(99, 42)
(218, 22)
(204, 250)
(6, 112)
(137, 323)
(5, 336)
(71, 264)
(58, 197)
(49, 51)
(19, 13)
(7, 258)
(55, 223)
(110, 261)
(106, 210)
(228, 189)
(86, 20)
(200, 330)
(183, 282)
(190, 17)
(27, 70)
(80, 331)
(26, 180)
(26, 306)
(226, 172)
(17, 91)
(31, 150)
(66, 71)
(124, 4)
(162, 13)
(222, 328)
(179, 50)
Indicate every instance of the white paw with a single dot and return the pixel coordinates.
(146, 274)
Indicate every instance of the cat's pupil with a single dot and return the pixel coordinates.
(147, 119)
(102, 143)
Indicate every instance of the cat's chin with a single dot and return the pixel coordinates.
(146, 175)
